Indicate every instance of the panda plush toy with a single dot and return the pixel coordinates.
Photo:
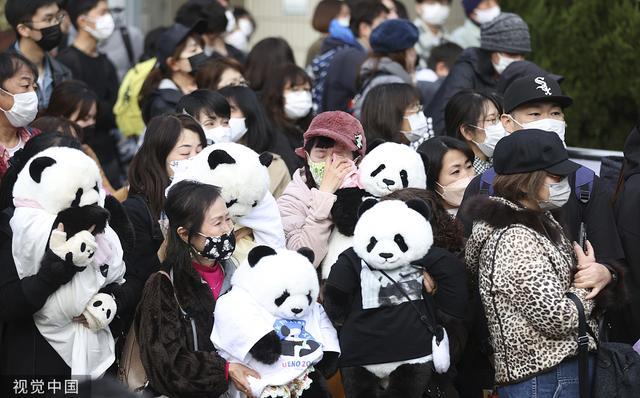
(60, 212)
(386, 168)
(243, 179)
(390, 335)
(271, 322)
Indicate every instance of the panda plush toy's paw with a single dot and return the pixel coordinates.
(79, 249)
(100, 311)
(267, 349)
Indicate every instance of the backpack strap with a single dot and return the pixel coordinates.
(126, 39)
(583, 186)
(486, 182)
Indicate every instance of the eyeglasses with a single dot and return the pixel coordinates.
(52, 20)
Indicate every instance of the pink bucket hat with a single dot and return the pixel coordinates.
(340, 127)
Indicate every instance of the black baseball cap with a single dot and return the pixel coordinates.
(525, 151)
(528, 89)
(173, 36)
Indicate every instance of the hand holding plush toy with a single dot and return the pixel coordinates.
(79, 249)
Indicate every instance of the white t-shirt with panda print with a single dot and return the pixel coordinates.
(240, 322)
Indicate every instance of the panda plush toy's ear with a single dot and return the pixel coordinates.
(257, 253)
(218, 157)
(37, 167)
(421, 207)
(366, 205)
(266, 158)
(308, 253)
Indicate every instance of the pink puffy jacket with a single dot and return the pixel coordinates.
(306, 216)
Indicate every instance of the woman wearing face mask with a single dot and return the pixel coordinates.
(392, 112)
(19, 105)
(432, 14)
(220, 72)
(287, 100)
(332, 143)
(392, 60)
(179, 54)
(250, 126)
(450, 169)
(212, 111)
(474, 117)
(169, 141)
(524, 265)
(74, 101)
(175, 316)
(477, 13)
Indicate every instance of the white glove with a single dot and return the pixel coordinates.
(78, 249)
(100, 311)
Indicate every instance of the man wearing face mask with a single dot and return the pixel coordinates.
(432, 14)
(477, 12)
(94, 23)
(536, 102)
(503, 40)
(37, 27)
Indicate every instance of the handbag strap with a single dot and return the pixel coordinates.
(184, 313)
(583, 348)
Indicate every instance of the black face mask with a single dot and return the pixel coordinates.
(51, 37)
(196, 62)
(88, 133)
(218, 248)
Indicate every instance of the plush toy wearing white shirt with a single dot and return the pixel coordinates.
(271, 321)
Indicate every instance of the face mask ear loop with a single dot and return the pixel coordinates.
(515, 121)
(10, 95)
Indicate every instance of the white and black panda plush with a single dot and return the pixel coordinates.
(387, 167)
(243, 179)
(271, 321)
(374, 295)
(61, 188)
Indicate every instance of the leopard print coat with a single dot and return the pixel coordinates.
(523, 277)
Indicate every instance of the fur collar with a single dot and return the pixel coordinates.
(500, 213)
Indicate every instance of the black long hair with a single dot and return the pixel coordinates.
(383, 110)
(148, 173)
(260, 134)
(186, 206)
(434, 149)
(465, 109)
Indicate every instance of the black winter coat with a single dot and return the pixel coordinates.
(473, 70)
(627, 213)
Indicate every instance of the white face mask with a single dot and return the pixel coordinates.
(245, 26)
(556, 126)
(104, 27)
(24, 109)
(343, 22)
(238, 40)
(502, 64)
(487, 15)
(180, 165)
(434, 14)
(218, 134)
(559, 193)
(418, 125)
(493, 134)
(297, 104)
(238, 128)
(231, 21)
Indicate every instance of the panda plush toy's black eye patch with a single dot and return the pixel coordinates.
(231, 202)
(76, 201)
(372, 243)
(378, 170)
(399, 239)
(405, 178)
(283, 297)
(309, 297)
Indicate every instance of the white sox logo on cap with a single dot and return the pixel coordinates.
(542, 85)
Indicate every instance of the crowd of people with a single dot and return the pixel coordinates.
(420, 176)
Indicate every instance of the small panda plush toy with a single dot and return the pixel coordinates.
(242, 176)
(388, 167)
(60, 214)
(389, 335)
(271, 322)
